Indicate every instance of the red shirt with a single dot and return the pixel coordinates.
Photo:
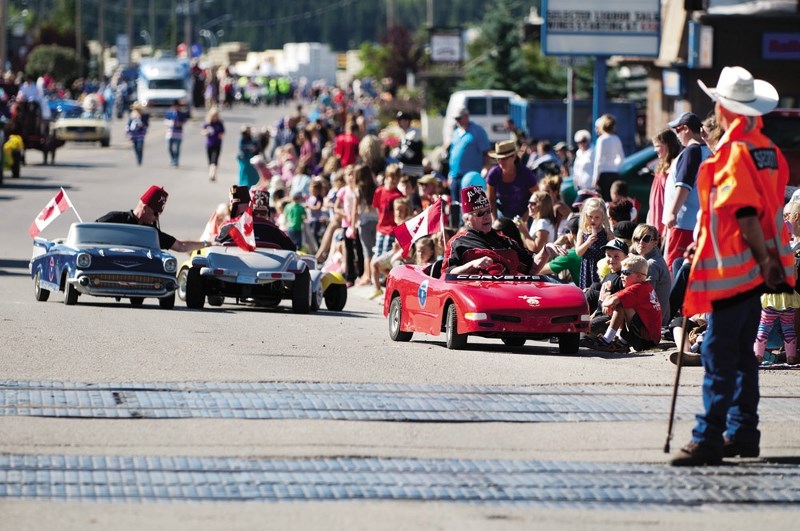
(346, 148)
(641, 298)
(383, 201)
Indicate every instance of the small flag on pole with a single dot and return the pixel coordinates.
(242, 231)
(60, 203)
(426, 222)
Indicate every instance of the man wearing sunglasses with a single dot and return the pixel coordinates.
(478, 248)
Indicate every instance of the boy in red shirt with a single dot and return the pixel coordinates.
(383, 201)
(635, 312)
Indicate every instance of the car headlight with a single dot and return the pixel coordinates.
(84, 260)
(170, 265)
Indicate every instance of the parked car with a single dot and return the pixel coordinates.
(263, 277)
(512, 308)
(104, 260)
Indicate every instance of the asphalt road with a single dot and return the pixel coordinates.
(243, 418)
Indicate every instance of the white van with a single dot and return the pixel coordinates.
(487, 108)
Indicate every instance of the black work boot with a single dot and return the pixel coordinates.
(736, 449)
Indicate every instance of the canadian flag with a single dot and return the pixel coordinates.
(60, 203)
(426, 222)
(242, 231)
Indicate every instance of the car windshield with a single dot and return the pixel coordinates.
(166, 84)
(113, 234)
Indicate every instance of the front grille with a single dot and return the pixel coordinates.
(81, 129)
(110, 280)
(505, 318)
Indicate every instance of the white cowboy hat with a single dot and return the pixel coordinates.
(738, 92)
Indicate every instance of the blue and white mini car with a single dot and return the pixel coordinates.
(105, 260)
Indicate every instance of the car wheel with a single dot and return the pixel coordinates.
(182, 284)
(105, 143)
(395, 317)
(195, 298)
(70, 294)
(335, 297)
(301, 294)
(216, 300)
(168, 302)
(455, 341)
(316, 298)
(568, 343)
(40, 293)
(16, 164)
(514, 341)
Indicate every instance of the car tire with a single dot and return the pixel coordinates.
(514, 341)
(455, 341)
(568, 343)
(41, 294)
(136, 302)
(316, 298)
(70, 294)
(181, 291)
(335, 297)
(395, 318)
(16, 164)
(105, 143)
(301, 293)
(195, 298)
(168, 302)
(216, 300)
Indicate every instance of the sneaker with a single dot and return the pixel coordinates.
(696, 454)
(687, 360)
(615, 346)
(736, 449)
(375, 294)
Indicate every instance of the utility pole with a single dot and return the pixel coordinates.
(430, 13)
(4, 26)
(78, 37)
(174, 24)
(129, 28)
(187, 25)
(153, 25)
(389, 14)
(101, 36)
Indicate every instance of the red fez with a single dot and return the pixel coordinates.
(473, 198)
(155, 197)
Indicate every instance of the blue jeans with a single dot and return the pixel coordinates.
(455, 202)
(383, 243)
(138, 148)
(174, 147)
(730, 384)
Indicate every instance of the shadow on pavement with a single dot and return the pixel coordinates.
(14, 264)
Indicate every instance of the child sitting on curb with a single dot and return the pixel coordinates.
(635, 312)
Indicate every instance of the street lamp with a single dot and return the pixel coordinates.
(212, 39)
(147, 38)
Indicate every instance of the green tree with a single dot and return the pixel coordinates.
(59, 62)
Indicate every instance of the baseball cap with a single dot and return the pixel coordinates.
(573, 223)
(624, 230)
(617, 245)
(689, 119)
(430, 178)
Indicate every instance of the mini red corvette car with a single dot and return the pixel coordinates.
(513, 308)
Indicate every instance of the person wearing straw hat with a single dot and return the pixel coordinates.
(510, 183)
(741, 252)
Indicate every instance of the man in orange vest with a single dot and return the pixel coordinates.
(742, 251)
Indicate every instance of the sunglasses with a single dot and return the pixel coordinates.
(628, 272)
(480, 214)
(644, 239)
(533, 203)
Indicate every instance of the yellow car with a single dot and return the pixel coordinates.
(77, 125)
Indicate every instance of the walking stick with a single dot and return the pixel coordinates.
(675, 386)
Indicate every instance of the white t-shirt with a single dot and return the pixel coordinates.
(582, 169)
(608, 155)
(543, 224)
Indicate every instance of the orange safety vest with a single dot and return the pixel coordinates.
(747, 170)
